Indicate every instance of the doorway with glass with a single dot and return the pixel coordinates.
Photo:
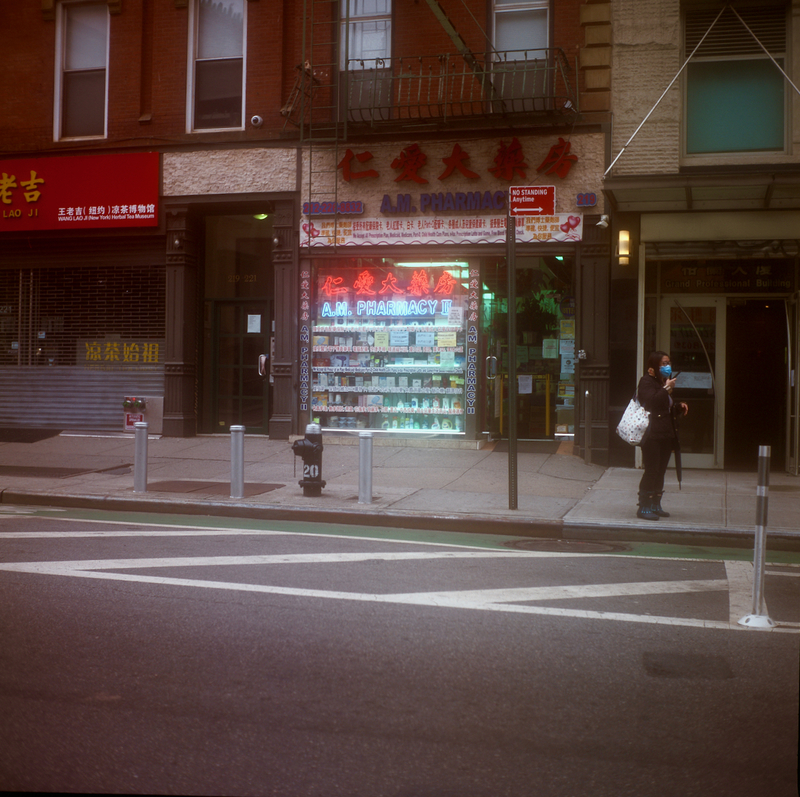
(733, 356)
(544, 347)
(237, 324)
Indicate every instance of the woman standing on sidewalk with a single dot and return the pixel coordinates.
(655, 395)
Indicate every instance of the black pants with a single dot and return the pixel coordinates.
(655, 457)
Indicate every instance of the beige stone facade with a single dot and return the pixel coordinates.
(648, 53)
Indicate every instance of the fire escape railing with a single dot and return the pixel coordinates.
(444, 88)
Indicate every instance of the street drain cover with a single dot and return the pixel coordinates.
(567, 546)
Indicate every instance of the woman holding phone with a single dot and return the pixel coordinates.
(655, 395)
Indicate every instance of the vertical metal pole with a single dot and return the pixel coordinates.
(587, 429)
(237, 461)
(365, 467)
(762, 499)
(140, 457)
(511, 264)
(757, 619)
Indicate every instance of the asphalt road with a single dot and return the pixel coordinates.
(170, 656)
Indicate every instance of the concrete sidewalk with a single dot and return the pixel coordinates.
(413, 485)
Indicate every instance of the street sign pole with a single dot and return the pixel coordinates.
(511, 265)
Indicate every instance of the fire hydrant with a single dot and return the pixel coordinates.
(310, 450)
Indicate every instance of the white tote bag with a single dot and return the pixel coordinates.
(634, 423)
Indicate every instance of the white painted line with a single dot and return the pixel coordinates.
(266, 559)
(477, 600)
(554, 593)
(740, 590)
(198, 531)
(390, 599)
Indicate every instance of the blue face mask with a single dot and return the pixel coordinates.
(666, 371)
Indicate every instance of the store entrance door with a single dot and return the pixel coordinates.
(544, 348)
(756, 401)
(240, 395)
(732, 354)
(692, 331)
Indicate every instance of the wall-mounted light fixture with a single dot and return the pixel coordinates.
(624, 247)
(603, 223)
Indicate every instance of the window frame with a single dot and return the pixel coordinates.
(716, 156)
(517, 6)
(191, 76)
(60, 71)
(346, 20)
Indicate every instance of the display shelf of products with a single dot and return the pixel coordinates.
(359, 385)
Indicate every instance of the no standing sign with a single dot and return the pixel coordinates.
(532, 200)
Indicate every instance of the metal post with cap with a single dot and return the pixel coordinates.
(759, 619)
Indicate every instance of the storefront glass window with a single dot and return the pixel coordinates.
(388, 345)
(544, 348)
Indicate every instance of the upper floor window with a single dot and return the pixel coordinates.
(216, 69)
(735, 95)
(81, 70)
(520, 25)
(367, 34)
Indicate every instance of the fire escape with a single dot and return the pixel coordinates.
(334, 95)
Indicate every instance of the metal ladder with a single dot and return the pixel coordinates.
(320, 85)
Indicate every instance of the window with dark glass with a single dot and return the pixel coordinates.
(217, 85)
(735, 95)
(83, 55)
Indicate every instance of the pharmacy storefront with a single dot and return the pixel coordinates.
(404, 293)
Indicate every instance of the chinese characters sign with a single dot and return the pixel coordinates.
(724, 276)
(413, 165)
(457, 229)
(117, 354)
(372, 291)
(81, 192)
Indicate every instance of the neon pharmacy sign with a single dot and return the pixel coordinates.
(382, 292)
(383, 308)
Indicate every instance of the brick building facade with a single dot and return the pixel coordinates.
(251, 108)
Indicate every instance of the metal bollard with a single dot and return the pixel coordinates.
(757, 619)
(140, 457)
(237, 461)
(365, 467)
(587, 430)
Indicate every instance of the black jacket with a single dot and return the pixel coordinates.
(655, 399)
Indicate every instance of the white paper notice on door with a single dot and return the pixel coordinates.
(550, 348)
(525, 382)
(695, 380)
(254, 323)
(455, 316)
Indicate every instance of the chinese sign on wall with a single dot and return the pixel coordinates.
(439, 230)
(81, 192)
(113, 353)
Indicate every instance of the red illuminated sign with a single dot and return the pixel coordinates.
(376, 281)
(81, 192)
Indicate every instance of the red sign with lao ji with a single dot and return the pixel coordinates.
(79, 192)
